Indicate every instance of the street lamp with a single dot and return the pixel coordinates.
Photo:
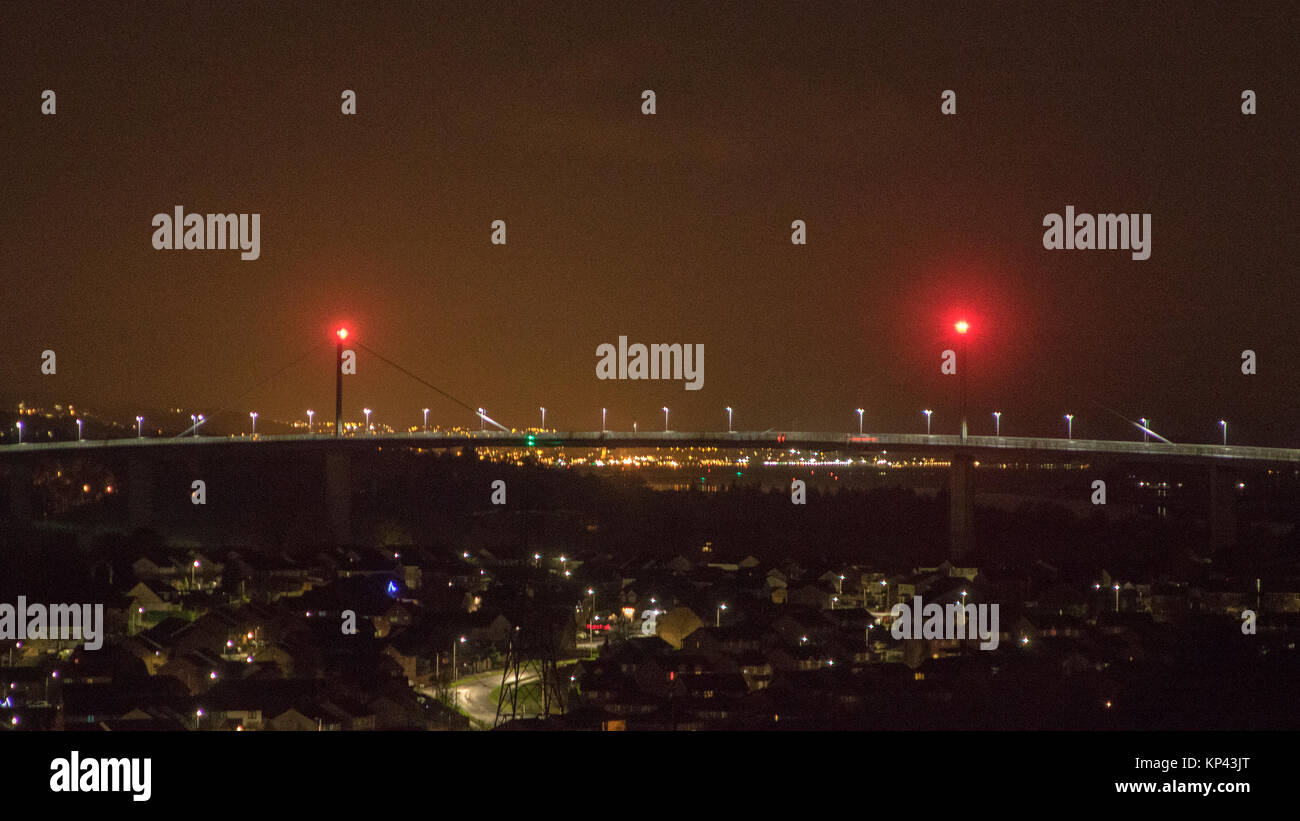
(602, 420)
(1145, 425)
(997, 423)
(139, 427)
(591, 635)
(20, 433)
(543, 410)
(718, 613)
(198, 422)
(1069, 426)
(859, 421)
(253, 415)
(78, 430)
(665, 420)
(310, 414)
(453, 659)
(366, 411)
(927, 421)
(482, 423)
(729, 430)
(1224, 425)
(194, 425)
(1116, 588)
(426, 418)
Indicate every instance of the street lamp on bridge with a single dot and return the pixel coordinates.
(665, 420)
(602, 420)
(78, 430)
(20, 432)
(310, 414)
(543, 410)
(426, 418)
(139, 427)
(997, 423)
(1069, 426)
(1145, 426)
(927, 421)
(729, 430)
(366, 411)
(1224, 425)
(859, 421)
(253, 415)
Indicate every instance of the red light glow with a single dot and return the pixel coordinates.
(962, 326)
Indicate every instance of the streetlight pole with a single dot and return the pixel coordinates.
(1145, 425)
(20, 432)
(366, 411)
(1116, 587)
(927, 421)
(78, 430)
(139, 427)
(453, 659)
(997, 423)
(482, 423)
(859, 421)
(253, 415)
(718, 621)
(665, 420)
(1223, 424)
(729, 430)
(1069, 426)
(310, 427)
(602, 420)
(543, 410)
(426, 419)
(591, 629)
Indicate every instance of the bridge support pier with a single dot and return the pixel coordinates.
(19, 487)
(961, 506)
(139, 493)
(338, 496)
(1223, 513)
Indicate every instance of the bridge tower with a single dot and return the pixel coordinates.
(961, 506)
(1223, 514)
(338, 384)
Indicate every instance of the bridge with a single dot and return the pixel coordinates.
(961, 453)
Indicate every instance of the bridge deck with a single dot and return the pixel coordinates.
(986, 447)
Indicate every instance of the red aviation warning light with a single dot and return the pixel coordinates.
(962, 326)
(343, 333)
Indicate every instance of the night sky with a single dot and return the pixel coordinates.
(666, 228)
